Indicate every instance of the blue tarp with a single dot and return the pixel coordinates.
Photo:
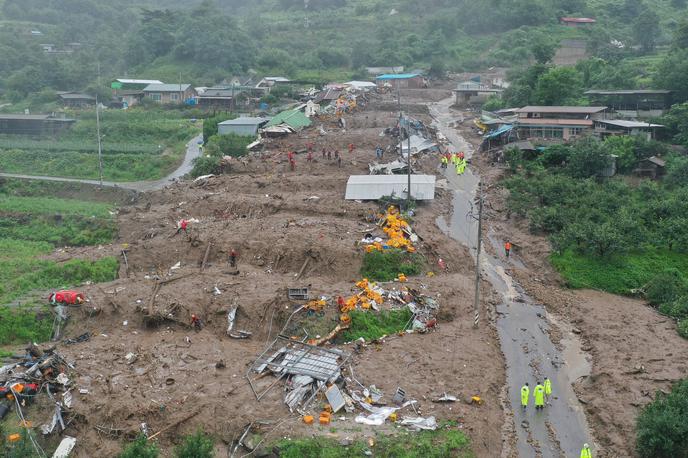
(496, 133)
(400, 76)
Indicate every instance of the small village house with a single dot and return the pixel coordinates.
(633, 104)
(77, 99)
(609, 127)
(556, 123)
(577, 21)
(244, 126)
(474, 93)
(169, 93)
(402, 81)
(652, 167)
(34, 124)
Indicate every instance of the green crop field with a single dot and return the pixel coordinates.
(31, 227)
(136, 145)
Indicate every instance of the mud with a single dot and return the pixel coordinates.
(275, 219)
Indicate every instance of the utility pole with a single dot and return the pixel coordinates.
(408, 196)
(100, 146)
(476, 304)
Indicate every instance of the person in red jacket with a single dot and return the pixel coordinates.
(183, 225)
(352, 147)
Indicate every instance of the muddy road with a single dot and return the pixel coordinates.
(193, 150)
(523, 325)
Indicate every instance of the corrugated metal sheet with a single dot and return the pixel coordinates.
(293, 118)
(373, 187)
(401, 76)
(564, 109)
(166, 87)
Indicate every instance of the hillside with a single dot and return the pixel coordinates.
(206, 41)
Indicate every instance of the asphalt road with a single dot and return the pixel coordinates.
(192, 152)
(561, 428)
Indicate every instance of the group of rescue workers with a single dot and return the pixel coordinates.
(542, 395)
(458, 160)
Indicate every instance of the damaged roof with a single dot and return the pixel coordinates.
(293, 118)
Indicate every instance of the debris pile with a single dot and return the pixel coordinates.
(398, 231)
(21, 383)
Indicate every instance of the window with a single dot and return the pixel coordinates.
(155, 96)
(174, 97)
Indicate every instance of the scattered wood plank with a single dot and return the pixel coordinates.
(176, 423)
(205, 257)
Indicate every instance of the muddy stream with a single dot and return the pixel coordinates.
(561, 428)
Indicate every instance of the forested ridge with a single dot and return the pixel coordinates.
(206, 41)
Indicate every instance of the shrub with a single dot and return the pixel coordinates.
(663, 425)
(372, 325)
(387, 265)
(683, 328)
(197, 445)
(140, 448)
(665, 287)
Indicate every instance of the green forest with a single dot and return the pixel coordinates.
(316, 40)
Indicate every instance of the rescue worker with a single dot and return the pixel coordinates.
(586, 452)
(461, 156)
(444, 162)
(339, 161)
(232, 257)
(340, 303)
(329, 155)
(292, 165)
(309, 158)
(525, 395)
(539, 396)
(352, 147)
(324, 153)
(507, 248)
(195, 322)
(548, 389)
(183, 225)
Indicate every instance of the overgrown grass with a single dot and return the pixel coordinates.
(22, 275)
(371, 325)
(25, 324)
(619, 274)
(427, 444)
(47, 205)
(387, 265)
(137, 145)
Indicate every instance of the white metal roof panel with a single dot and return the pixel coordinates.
(373, 187)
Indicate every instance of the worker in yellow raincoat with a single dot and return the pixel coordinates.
(525, 396)
(539, 396)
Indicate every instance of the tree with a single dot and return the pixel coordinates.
(438, 69)
(680, 40)
(663, 425)
(587, 158)
(543, 49)
(197, 445)
(140, 448)
(676, 122)
(559, 86)
(646, 29)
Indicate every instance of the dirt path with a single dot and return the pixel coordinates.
(524, 329)
(192, 152)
